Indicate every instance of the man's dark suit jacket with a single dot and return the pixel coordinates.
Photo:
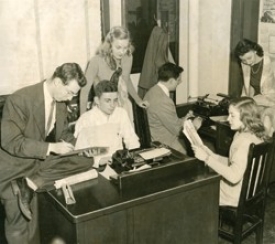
(23, 134)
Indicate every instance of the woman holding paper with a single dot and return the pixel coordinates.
(245, 119)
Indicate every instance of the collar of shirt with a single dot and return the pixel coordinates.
(103, 115)
(164, 88)
(48, 103)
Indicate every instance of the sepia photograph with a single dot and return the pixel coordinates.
(137, 121)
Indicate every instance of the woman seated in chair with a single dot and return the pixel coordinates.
(245, 119)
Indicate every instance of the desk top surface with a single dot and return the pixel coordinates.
(100, 196)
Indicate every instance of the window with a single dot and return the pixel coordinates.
(140, 17)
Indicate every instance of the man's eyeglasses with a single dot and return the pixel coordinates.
(70, 93)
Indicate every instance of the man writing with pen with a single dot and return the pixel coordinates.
(33, 130)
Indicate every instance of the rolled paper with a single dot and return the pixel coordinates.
(77, 178)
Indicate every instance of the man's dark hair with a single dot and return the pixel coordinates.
(168, 71)
(70, 71)
(105, 86)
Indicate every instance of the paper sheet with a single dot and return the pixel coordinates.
(155, 153)
(92, 137)
(191, 133)
(77, 178)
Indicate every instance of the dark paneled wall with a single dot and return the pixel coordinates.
(244, 24)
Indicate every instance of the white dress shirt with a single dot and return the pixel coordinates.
(48, 103)
(164, 88)
(103, 130)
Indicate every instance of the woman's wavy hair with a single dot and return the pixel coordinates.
(250, 116)
(105, 49)
(245, 45)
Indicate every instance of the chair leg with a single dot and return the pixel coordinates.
(271, 190)
(259, 234)
(237, 238)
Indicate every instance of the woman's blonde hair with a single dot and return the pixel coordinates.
(250, 116)
(105, 49)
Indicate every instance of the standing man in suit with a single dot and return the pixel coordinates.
(33, 128)
(165, 126)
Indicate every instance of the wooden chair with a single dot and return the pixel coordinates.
(141, 125)
(236, 223)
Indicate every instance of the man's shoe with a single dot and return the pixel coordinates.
(24, 194)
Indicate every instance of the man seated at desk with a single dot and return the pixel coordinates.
(165, 126)
(106, 124)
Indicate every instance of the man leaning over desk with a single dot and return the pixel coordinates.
(165, 126)
(34, 126)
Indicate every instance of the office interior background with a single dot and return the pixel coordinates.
(39, 35)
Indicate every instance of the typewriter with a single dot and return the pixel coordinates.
(211, 105)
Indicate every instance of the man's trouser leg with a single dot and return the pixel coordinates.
(18, 230)
(16, 226)
(57, 168)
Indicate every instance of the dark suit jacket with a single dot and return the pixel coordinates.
(156, 55)
(23, 134)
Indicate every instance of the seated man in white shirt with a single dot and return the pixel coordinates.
(106, 124)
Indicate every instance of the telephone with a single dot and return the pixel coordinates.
(122, 160)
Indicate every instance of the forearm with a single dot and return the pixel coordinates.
(21, 146)
(218, 158)
(174, 124)
(231, 173)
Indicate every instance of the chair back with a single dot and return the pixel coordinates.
(255, 178)
(248, 216)
(141, 125)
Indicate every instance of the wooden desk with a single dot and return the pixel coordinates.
(182, 208)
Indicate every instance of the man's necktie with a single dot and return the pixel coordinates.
(50, 118)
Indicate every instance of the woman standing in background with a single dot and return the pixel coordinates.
(258, 73)
(114, 55)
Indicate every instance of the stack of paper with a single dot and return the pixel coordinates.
(155, 153)
(215, 99)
